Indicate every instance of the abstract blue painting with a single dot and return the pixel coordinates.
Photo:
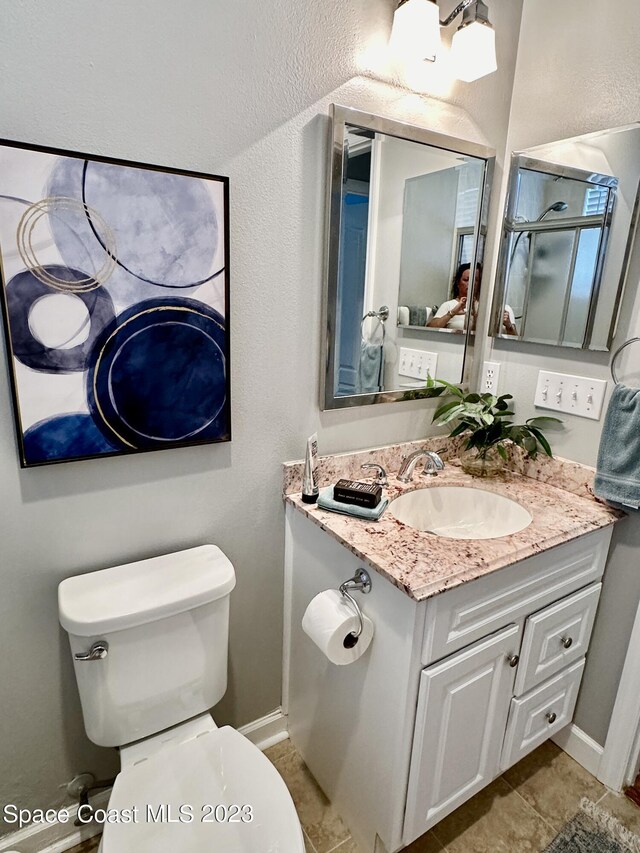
(115, 279)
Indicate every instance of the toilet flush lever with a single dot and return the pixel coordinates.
(98, 651)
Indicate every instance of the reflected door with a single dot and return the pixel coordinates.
(350, 299)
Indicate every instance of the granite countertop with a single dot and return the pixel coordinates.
(422, 564)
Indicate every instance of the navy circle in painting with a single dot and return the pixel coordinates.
(157, 376)
(23, 291)
(65, 437)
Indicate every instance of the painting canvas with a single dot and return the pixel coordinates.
(115, 280)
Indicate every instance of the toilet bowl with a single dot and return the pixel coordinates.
(149, 645)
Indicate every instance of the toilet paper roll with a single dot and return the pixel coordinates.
(330, 621)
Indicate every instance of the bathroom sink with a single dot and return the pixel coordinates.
(458, 512)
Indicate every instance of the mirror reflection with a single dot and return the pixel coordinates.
(565, 238)
(404, 237)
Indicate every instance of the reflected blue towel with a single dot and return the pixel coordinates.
(618, 469)
(371, 367)
(326, 501)
(417, 315)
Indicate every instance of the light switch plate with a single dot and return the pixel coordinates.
(577, 395)
(417, 363)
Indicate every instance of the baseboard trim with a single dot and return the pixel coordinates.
(54, 837)
(58, 837)
(268, 730)
(580, 747)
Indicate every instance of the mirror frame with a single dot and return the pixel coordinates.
(520, 160)
(341, 116)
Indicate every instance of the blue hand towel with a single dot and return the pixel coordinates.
(618, 469)
(326, 501)
(371, 367)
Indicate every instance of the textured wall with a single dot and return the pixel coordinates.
(576, 73)
(238, 89)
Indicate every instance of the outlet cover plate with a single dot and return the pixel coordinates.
(490, 377)
(417, 363)
(576, 395)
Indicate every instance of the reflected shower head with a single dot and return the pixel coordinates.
(556, 207)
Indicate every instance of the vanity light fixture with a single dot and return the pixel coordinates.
(416, 34)
(416, 29)
(473, 47)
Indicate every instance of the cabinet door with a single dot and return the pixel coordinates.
(463, 705)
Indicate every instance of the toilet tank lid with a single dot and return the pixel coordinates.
(136, 593)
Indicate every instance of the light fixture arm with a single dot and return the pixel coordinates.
(459, 8)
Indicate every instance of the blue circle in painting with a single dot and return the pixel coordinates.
(23, 291)
(157, 376)
(61, 437)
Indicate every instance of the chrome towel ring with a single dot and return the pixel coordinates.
(382, 315)
(617, 353)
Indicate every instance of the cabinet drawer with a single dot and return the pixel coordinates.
(479, 608)
(540, 714)
(556, 637)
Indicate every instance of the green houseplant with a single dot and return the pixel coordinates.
(484, 420)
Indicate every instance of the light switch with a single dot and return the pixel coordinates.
(417, 363)
(577, 395)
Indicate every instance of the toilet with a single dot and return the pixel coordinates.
(149, 644)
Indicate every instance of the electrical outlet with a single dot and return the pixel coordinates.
(417, 363)
(577, 395)
(490, 378)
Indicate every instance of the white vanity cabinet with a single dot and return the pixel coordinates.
(452, 691)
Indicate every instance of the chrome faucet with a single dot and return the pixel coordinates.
(381, 474)
(432, 465)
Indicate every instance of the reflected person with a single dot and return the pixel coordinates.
(451, 314)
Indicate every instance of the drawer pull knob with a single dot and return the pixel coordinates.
(551, 717)
(566, 642)
(513, 660)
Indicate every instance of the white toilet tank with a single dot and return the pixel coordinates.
(166, 624)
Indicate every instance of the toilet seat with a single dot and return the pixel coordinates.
(219, 767)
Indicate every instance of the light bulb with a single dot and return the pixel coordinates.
(416, 30)
(473, 51)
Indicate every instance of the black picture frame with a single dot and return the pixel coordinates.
(115, 301)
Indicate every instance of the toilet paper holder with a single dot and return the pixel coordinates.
(361, 582)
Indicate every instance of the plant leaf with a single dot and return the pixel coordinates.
(462, 427)
(502, 451)
(489, 400)
(445, 407)
(542, 440)
(542, 421)
(453, 389)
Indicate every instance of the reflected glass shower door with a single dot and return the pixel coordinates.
(561, 270)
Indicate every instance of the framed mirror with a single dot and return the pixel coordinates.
(407, 223)
(570, 213)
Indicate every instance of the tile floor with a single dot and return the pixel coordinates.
(521, 812)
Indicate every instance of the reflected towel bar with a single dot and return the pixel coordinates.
(617, 353)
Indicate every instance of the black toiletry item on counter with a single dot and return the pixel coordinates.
(355, 492)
